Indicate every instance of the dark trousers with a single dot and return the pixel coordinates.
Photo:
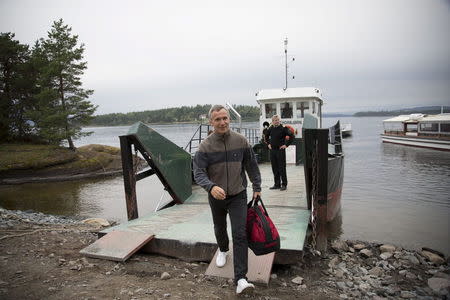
(278, 161)
(236, 206)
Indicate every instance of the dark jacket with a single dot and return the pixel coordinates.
(276, 136)
(222, 160)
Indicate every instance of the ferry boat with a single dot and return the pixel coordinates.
(301, 110)
(418, 130)
(346, 130)
(320, 150)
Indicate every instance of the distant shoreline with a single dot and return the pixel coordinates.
(116, 119)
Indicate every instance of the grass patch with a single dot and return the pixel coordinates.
(100, 148)
(29, 156)
(55, 158)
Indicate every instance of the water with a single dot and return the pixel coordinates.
(392, 193)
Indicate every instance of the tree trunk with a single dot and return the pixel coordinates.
(71, 145)
(63, 103)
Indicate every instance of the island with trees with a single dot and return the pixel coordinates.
(44, 106)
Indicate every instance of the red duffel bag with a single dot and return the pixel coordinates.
(262, 235)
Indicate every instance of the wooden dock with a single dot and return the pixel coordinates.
(186, 230)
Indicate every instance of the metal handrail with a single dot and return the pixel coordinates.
(234, 111)
(252, 135)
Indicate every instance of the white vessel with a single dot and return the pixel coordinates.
(418, 130)
(346, 130)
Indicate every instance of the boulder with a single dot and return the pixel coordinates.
(340, 246)
(96, 221)
(387, 248)
(434, 258)
(366, 253)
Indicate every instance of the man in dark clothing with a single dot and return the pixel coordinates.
(276, 137)
(264, 132)
(219, 167)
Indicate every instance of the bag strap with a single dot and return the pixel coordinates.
(265, 225)
(258, 199)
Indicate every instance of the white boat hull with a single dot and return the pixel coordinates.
(417, 142)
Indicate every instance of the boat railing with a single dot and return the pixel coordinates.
(335, 138)
(203, 130)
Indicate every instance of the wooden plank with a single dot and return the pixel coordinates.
(117, 245)
(129, 179)
(259, 267)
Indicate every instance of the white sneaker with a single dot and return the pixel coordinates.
(243, 287)
(221, 259)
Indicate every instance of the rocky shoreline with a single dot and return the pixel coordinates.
(39, 258)
(11, 218)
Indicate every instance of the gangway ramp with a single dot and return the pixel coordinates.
(185, 230)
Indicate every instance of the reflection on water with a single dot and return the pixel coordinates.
(392, 193)
(85, 198)
(334, 228)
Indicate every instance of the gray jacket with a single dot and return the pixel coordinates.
(222, 160)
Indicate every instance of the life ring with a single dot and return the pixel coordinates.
(291, 129)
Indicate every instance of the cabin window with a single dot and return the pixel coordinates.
(393, 126)
(286, 110)
(429, 127)
(314, 107)
(271, 109)
(445, 127)
(302, 106)
(411, 127)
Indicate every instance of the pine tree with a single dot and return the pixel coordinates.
(63, 104)
(15, 87)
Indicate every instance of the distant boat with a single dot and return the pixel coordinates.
(418, 130)
(346, 130)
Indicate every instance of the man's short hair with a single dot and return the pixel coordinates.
(275, 116)
(217, 107)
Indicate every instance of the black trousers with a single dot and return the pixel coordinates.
(236, 206)
(278, 161)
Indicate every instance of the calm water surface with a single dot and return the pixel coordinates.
(392, 193)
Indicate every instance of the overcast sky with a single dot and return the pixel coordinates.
(145, 55)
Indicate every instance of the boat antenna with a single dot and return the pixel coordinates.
(285, 60)
(286, 63)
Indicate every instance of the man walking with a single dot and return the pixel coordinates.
(277, 143)
(219, 168)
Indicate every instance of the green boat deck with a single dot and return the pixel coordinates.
(186, 230)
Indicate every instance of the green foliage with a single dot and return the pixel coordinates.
(186, 114)
(41, 90)
(62, 101)
(16, 88)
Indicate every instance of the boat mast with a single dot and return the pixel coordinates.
(285, 62)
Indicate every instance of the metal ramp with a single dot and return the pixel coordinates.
(186, 231)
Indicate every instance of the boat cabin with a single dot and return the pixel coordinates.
(291, 104)
(418, 125)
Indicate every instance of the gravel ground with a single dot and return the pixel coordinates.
(39, 259)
